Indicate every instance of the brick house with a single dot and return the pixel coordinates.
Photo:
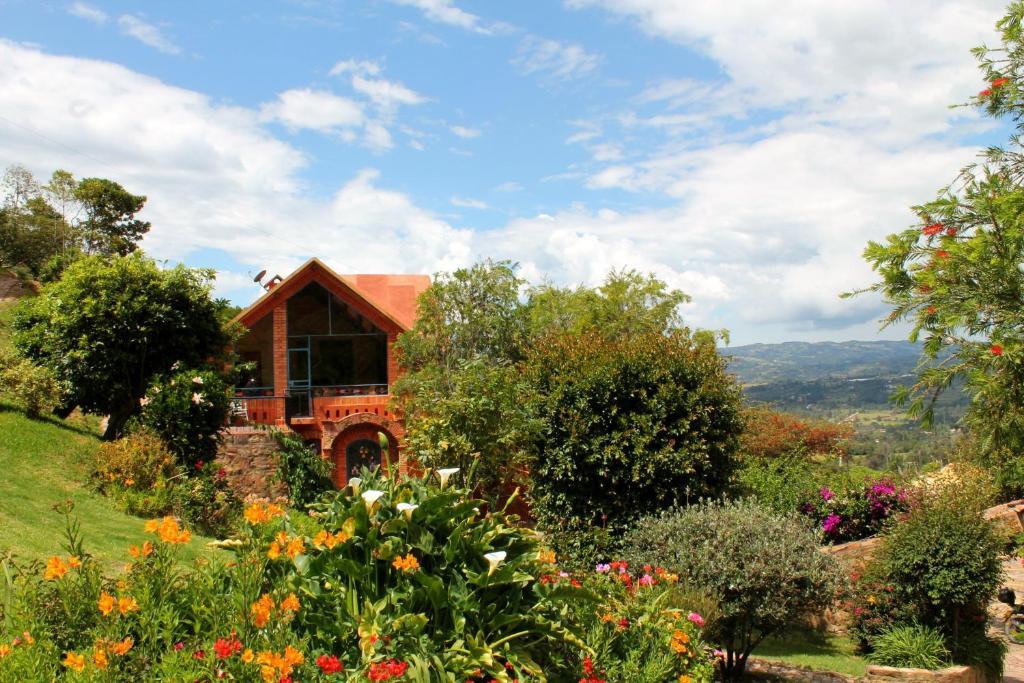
(322, 350)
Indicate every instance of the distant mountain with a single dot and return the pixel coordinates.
(803, 361)
(831, 376)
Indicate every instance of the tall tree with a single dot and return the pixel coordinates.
(627, 303)
(109, 225)
(110, 326)
(957, 276)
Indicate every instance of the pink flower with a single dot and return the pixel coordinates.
(178, 647)
(646, 580)
(696, 619)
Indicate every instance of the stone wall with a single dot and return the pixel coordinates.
(249, 459)
(12, 287)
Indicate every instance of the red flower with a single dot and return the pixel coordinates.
(329, 664)
(198, 654)
(179, 646)
(985, 93)
(623, 622)
(996, 350)
(588, 666)
(199, 464)
(385, 671)
(931, 310)
(933, 229)
(284, 679)
(1000, 82)
(225, 648)
(951, 232)
(942, 253)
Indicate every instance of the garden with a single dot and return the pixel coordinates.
(673, 530)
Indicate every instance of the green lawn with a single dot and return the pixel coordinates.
(818, 651)
(45, 462)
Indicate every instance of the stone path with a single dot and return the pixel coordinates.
(1013, 667)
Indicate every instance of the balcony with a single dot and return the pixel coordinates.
(258, 405)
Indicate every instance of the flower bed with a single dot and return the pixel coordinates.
(856, 512)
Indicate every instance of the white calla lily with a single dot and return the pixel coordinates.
(445, 473)
(370, 497)
(407, 509)
(494, 559)
(355, 482)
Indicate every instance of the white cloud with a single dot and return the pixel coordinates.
(214, 176)
(146, 33)
(88, 12)
(509, 186)
(554, 60)
(377, 137)
(466, 203)
(386, 94)
(464, 132)
(313, 109)
(365, 68)
(446, 12)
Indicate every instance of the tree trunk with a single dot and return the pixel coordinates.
(117, 420)
(62, 411)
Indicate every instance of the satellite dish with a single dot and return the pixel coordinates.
(259, 275)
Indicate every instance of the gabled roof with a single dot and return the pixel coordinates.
(389, 301)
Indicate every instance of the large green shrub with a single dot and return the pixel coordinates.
(945, 561)
(765, 570)
(31, 385)
(780, 484)
(632, 426)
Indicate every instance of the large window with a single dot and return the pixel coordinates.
(344, 348)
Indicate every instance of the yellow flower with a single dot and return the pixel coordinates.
(248, 656)
(321, 539)
(55, 569)
(546, 556)
(75, 662)
(607, 617)
(152, 525)
(872, 599)
(99, 657)
(168, 530)
(74, 562)
(5, 650)
(27, 637)
(679, 642)
(274, 551)
(290, 603)
(106, 604)
(121, 648)
(685, 679)
(409, 563)
(126, 605)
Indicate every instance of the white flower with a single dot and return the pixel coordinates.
(177, 364)
(370, 497)
(494, 559)
(197, 398)
(144, 401)
(445, 473)
(197, 379)
(354, 482)
(407, 508)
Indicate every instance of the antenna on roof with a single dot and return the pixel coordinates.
(259, 276)
(269, 284)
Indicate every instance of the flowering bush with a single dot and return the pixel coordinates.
(187, 410)
(939, 568)
(643, 628)
(141, 474)
(856, 512)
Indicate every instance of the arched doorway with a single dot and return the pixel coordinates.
(359, 454)
(357, 444)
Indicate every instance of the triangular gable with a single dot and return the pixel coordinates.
(314, 270)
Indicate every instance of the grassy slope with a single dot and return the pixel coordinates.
(44, 462)
(818, 651)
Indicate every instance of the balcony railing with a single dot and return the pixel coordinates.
(258, 405)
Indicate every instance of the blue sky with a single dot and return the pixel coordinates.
(743, 151)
